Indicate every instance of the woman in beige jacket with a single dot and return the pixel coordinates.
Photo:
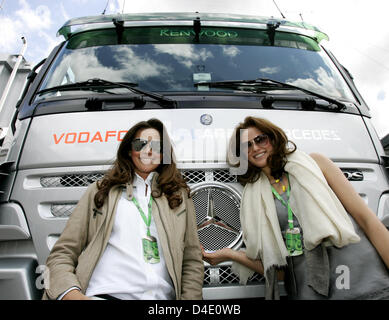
(133, 234)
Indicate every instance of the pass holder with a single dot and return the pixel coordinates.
(150, 249)
(293, 242)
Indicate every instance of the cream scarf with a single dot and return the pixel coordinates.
(318, 210)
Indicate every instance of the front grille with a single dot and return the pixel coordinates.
(194, 176)
(217, 175)
(85, 179)
(62, 210)
(70, 180)
(224, 176)
(223, 275)
(190, 175)
(213, 237)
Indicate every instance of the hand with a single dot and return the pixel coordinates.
(75, 295)
(218, 256)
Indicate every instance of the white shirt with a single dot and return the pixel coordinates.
(121, 270)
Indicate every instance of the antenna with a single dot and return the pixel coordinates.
(274, 1)
(124, 3)
(105, 7)
(302, 20)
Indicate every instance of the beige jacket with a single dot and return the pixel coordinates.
(85, 237)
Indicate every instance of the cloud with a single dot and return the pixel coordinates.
(84, 64)
(323, 83)
(120, 5)
(231, 51)
(184, 54)
(380, 116)
(50, 40)
(270, 70)
(34, 19)
(215, 6)
(10, 34)
(80, 1)
(114, 7)
(139, 67)
(381, 95)
(64, 13)
(32, 23)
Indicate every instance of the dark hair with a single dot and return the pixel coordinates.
(276, 161)
(170, 179)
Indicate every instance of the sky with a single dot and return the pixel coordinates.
(358, 32)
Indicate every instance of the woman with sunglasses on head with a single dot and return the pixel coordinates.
(133, 234)
(296, 225)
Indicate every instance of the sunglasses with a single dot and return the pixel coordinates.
(260, 140)
(139, 144)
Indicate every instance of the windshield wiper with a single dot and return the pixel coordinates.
(93, 84)
(263, 83)
(96, 84)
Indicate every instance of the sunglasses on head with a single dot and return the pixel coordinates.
(139, 144)
(260, 140)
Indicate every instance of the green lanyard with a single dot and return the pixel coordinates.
(290, 212)
(147, 220)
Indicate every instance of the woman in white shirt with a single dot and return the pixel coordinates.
(133, 234)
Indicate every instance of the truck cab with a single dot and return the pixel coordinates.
(200, 74)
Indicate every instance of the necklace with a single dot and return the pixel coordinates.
(276, 181)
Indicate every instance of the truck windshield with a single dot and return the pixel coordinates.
(170, 59)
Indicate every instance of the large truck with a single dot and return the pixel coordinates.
(200, 74)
